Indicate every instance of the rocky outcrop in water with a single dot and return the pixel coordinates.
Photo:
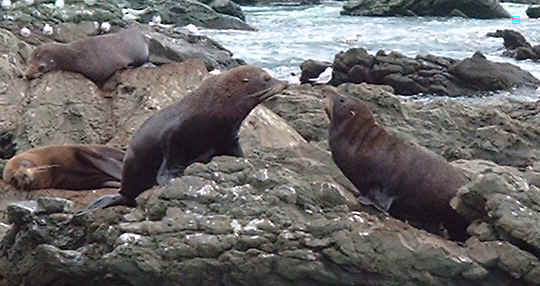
(533, 11)
(429, 74)
(516, 45)
(483, 9)
(216, 14)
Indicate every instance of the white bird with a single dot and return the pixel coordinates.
(105, 27)
(47, 29)
(59, 3)
(324, 77)
(25, 32)
(156, 20)
(6, 4)
(192, 29)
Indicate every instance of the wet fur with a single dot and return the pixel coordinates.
(70, 167)
(201, 125)
(401, 177)
(97, 58)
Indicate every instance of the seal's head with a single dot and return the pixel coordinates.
(19, 173)
(42, 60)
(340, 108)
(240, 89)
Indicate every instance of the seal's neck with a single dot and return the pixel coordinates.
(66, 57)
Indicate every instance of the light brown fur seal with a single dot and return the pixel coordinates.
(405, 179)
(71, 167)
(97, 58)
(203, 124)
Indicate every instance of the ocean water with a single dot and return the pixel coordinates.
(289, 35)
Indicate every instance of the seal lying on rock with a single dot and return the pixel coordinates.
(201, 125)
(72, 167)
(97, 57)
(394, 175)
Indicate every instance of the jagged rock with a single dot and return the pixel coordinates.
(235, 221)
(186, 12)
(533, 11)
(499, 197)
(516, 45)
(483, 9)
(227, 7)
(120, 13)
(503, 131)
(429, 74)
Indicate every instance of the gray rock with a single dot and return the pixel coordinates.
(186, 12)
(533, 11)
(503, 199)
(276, 229)
(429, 74)
(54, 205)
(21, 212)
(121, 13)
(483, 9)
(227, 7)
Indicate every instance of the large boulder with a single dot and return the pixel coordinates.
(429, 74)
(269, 219)
(533, 11)
(503, 131)
(483, 9)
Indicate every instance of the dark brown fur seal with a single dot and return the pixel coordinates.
(405, 179)
(97, 57)
(201, 125)
(71, 167)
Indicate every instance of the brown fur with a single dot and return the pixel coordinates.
(201, 125)
(401, 177)
(97, 57)
(72, 167)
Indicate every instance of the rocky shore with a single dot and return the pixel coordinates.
(424, 74)
(284, 214)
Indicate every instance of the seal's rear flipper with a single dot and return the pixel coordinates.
(105, 159)
(108, 201)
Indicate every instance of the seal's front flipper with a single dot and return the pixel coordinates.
(108, 201)
(167, 173)
(378, 198)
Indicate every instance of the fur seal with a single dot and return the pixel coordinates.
(203, 124)
(72, 167)
(97, 58)
(400, 177)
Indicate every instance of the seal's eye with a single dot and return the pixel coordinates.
(26, 164)
(341, 100)
(42, 67)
